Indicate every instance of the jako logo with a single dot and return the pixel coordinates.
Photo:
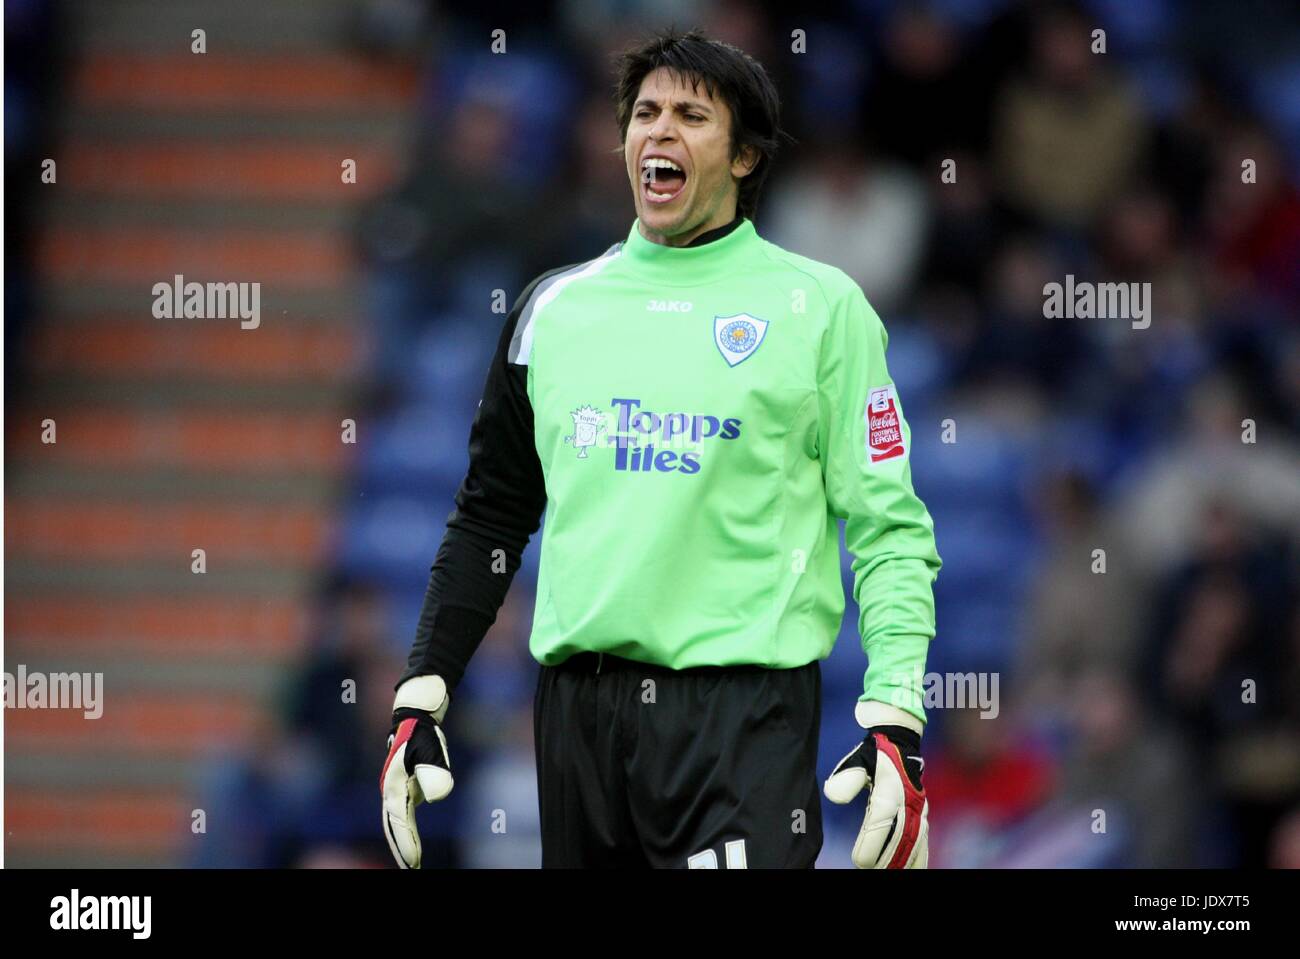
(670, 306)
(72, 913)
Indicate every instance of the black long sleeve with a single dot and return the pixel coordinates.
(498, 507)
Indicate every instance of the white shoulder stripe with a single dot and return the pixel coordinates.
(521, 344)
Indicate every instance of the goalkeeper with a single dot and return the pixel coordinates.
(692, 410)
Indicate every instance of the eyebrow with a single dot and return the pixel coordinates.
(681, 105)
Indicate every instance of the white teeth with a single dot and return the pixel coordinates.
(648, 167)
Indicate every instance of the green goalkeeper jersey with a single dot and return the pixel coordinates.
(701, 416)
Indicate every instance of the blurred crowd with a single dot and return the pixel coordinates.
(35, 48)
(1118, 508)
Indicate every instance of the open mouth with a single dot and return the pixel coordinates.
(662, 180)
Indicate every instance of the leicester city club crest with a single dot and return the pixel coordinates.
(738, 336)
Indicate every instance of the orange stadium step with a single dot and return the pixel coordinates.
(140, 722)
(244, 171)
(299, 82)
(123, 346)
(145, 255)
(143, 823)
(162, 628)
(55, 529)
(184, 433)
(235, 441)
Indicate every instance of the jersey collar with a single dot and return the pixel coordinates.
(717, 233)
(701, 262)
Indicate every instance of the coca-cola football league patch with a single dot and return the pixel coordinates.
(884, 428)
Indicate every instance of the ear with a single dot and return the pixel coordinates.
(745, 161)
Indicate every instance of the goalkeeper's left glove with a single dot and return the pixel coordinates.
(895, 831)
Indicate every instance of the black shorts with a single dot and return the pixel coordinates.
(640, 766)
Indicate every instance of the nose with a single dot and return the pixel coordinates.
(662, 129)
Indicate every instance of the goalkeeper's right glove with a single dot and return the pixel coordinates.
(418, 768)
(895, 831)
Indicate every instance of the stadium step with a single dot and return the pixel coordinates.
(282, 172)
(175, 434)
(97, 828)
(116, 439)
(89, 301)
(89, 481)
(51, 528)
(166, 628)
(138, 255)
(145, 25)
(143, 723)
(217, 81)
(372, 125)
(127, 346)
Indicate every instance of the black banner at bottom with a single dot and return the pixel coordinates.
(368, 909)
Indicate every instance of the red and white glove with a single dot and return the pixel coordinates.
(895, 830)
(418, 768)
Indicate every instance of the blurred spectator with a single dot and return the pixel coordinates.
(987, 778)
(1164, 503)
(1134, 770)
(1285, 849)
(965, 226)
(501, 826)
(1222, 665)
(35, 41)
(865, 215)
(458, 227)
(590, 203)
(1066, 136)
(1017, 344)
(1061, 643)
(1254, 227)
(930, 96)
(307, 780)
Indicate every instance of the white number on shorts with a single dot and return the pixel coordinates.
(708, 859)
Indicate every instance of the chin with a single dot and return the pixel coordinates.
(665, 221)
